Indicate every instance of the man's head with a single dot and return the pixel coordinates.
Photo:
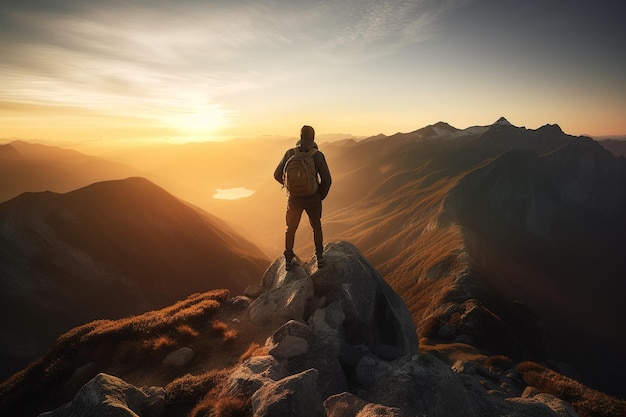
(307, 133)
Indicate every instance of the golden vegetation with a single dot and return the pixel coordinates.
(451, 352)
(207, 395)
(217, 403)
(498, 362)
(185, 330)
(184, 394)
(586, 401)
(134, 349)
(220, 328)
(255, 349)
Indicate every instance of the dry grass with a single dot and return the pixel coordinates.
(451, 352)
(218, 406)
(186, 330)
(498, 363)
(133, 348)
(254, 349)
(221, 329)
(413, 243)
(184, 393)
(586, 401)
(159, 343)
(219, 402)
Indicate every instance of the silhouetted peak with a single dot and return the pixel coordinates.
(9, 152)
(380, 136)
(133, 188)
(130, 182)
(437, 130)
(502, 122)
(444, 126)
(551, 129)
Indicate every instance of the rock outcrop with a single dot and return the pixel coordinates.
(106, 395)
(349, 334)
(343, 345)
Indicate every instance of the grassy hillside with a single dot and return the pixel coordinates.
(137, 349)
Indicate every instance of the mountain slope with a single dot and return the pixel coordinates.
(548, 229)
(616, 146)
(464, 224)
(108, 250)
(33, 167)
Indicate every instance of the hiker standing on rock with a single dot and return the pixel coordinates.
(304, 172)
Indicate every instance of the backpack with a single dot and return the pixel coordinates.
(300, 175)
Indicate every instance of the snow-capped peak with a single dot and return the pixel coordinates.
(502, 121)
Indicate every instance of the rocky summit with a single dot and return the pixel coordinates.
(342, 343)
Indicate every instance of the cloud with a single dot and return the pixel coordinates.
(211, 34)
(381, 24)
(180, 61)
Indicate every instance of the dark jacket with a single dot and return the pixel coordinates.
(320, 165)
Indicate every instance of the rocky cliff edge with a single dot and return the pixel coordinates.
(342, 344)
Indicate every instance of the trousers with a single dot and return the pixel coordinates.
(313, 209)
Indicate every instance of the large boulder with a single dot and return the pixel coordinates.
(355, 300)
(291, 340)
(253, 373)
(179, 357)
(283, 303)
(374, 314)
(335, 316)
(277, 276)
(296, 395)
(349, 405)
(109, 396)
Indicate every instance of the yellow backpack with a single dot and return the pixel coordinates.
(300, 175)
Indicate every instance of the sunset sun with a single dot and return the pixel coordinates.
(198, 121)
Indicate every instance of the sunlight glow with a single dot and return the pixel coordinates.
(232, 193)
(192, 71)
(203, 119)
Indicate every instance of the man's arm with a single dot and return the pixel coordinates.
(324, 172)
(278, 172)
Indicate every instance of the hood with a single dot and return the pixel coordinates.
(306, 145)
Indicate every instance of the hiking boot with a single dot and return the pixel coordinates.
(289, 260)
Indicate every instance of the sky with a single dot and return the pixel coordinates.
(120, 72)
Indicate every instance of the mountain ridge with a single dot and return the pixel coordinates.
(417, 236)
(35, 167)
(108, 250)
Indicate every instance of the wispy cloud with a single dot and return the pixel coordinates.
(178, 60)
(379, 26)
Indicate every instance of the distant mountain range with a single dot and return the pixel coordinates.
(33, 167)
(108, 250)
(616, 146)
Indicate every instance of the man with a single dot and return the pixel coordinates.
(312, 204)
